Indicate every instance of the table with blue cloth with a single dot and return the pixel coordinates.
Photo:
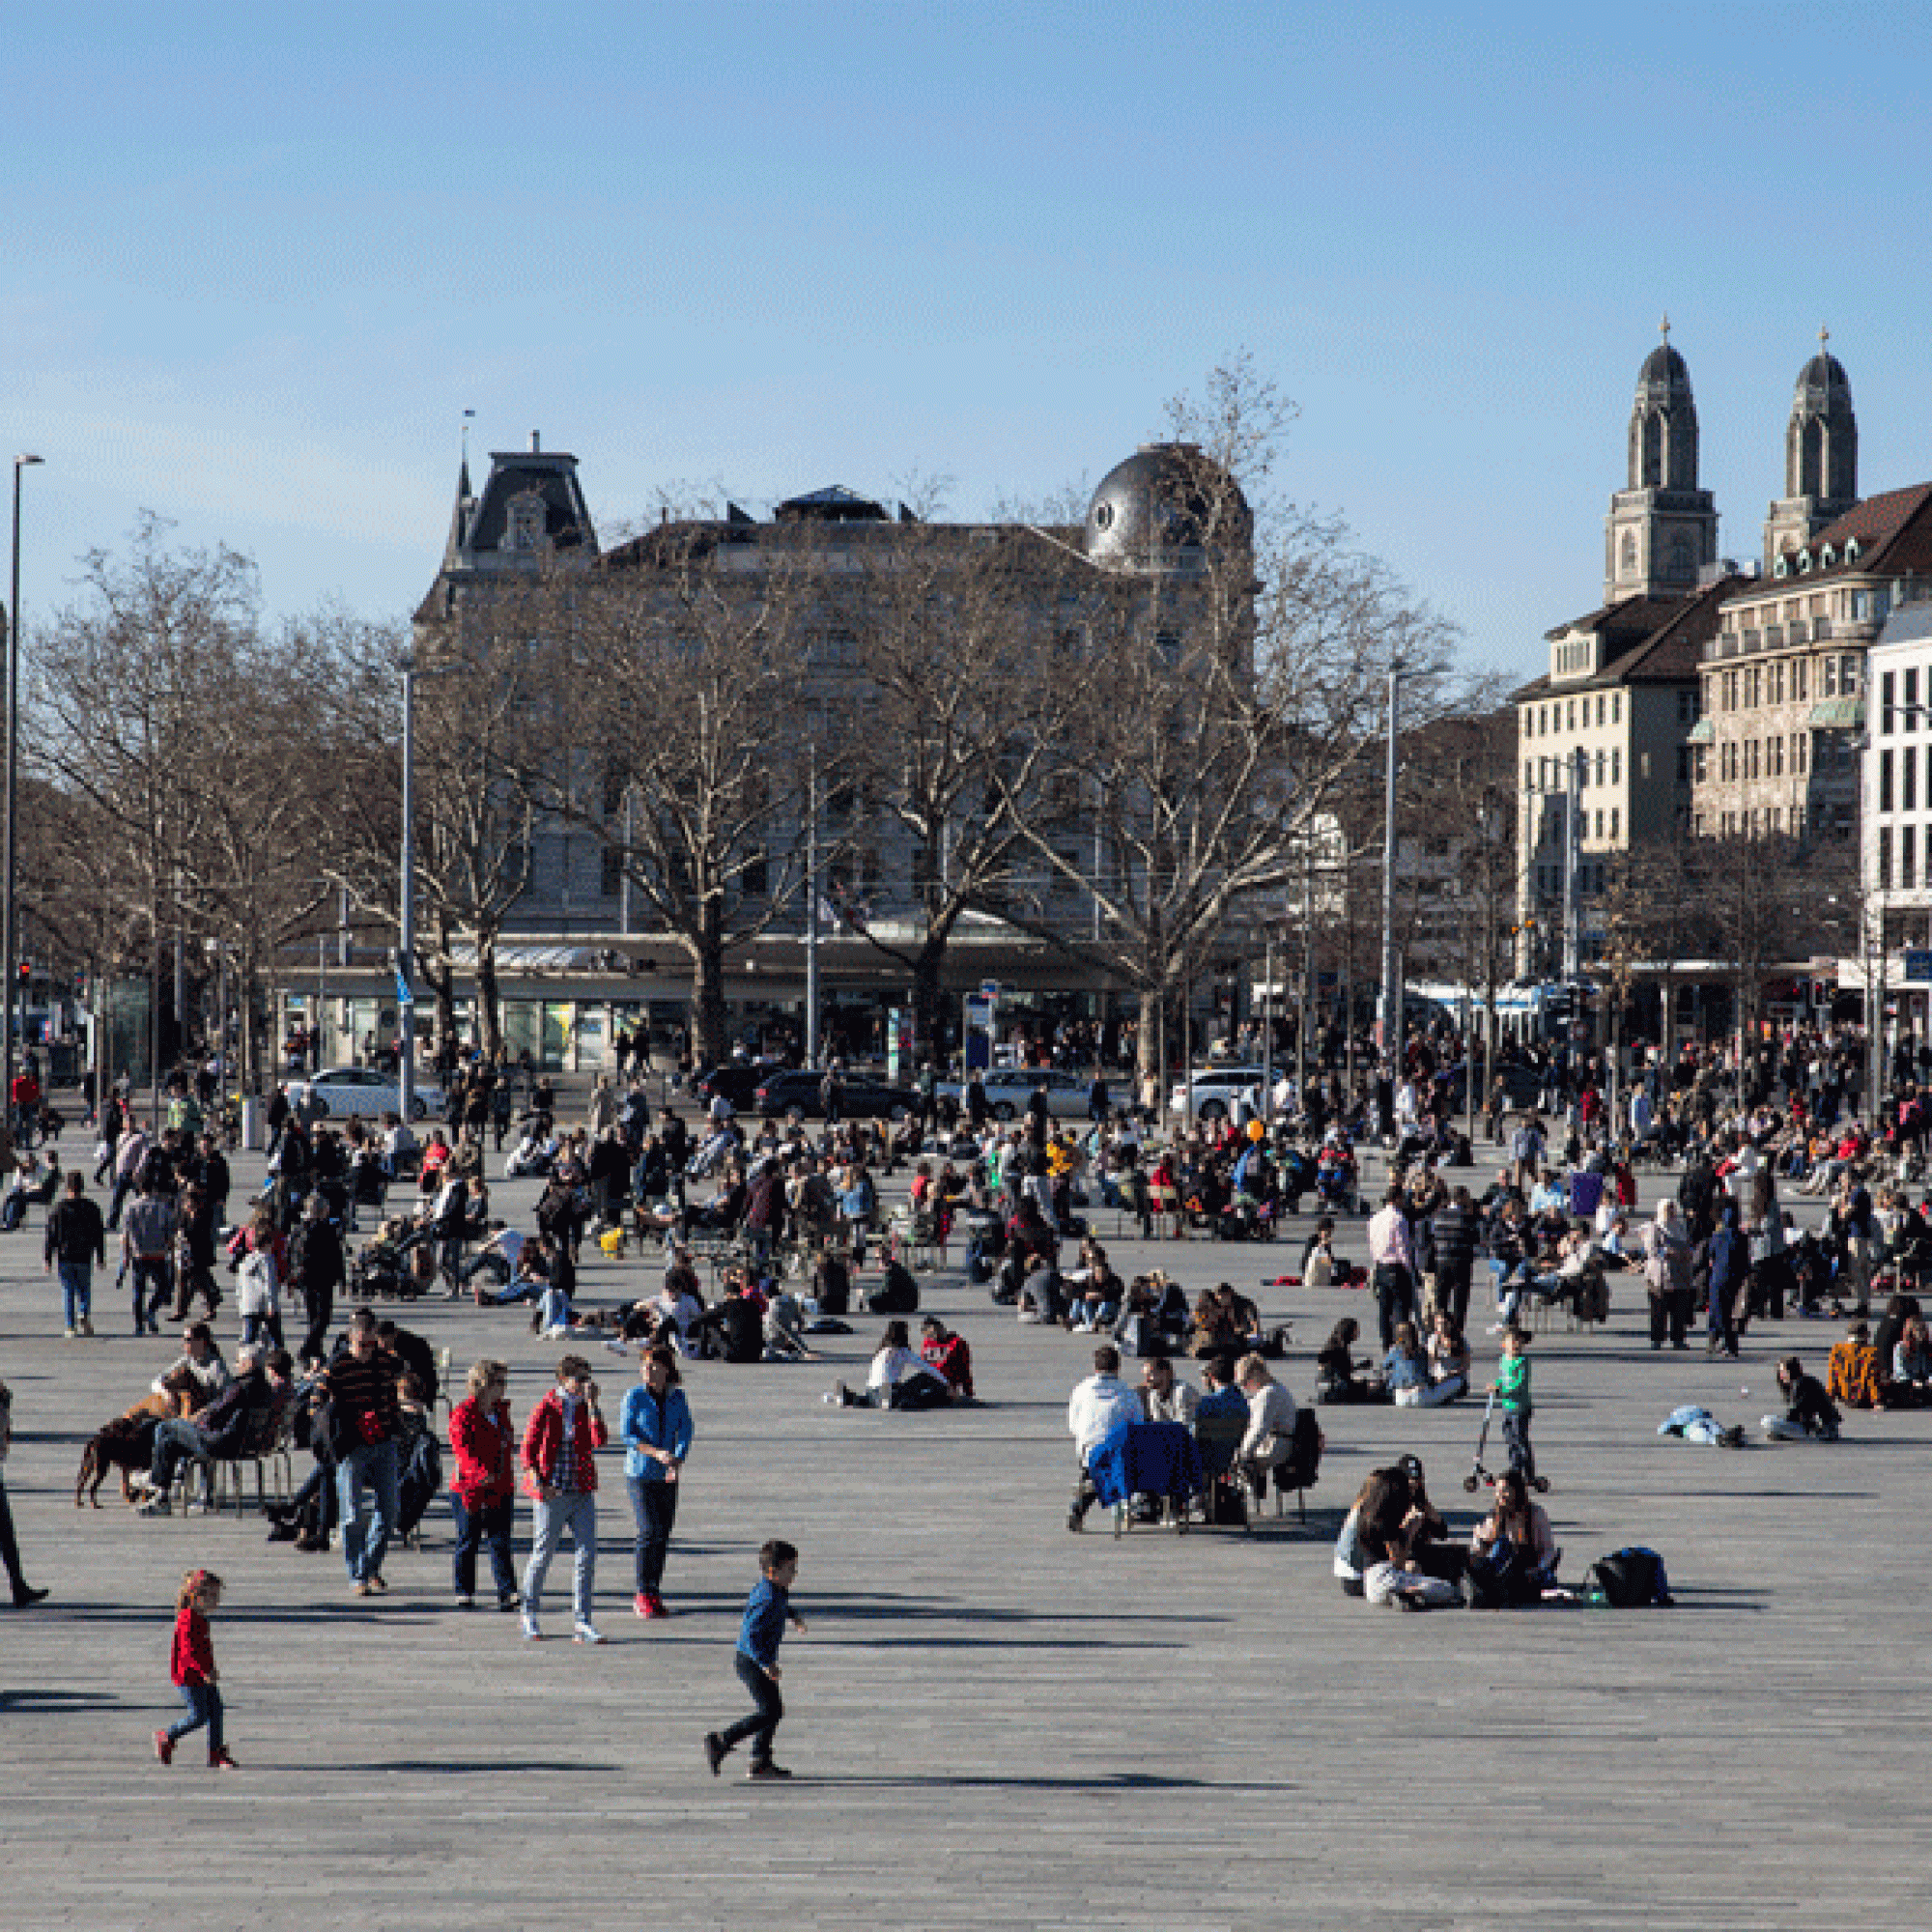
(1147, 1459)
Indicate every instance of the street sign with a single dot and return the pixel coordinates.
(989, 989)
(1919, 963)
(404, 996)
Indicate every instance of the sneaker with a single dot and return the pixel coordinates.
(1494, 1328)
(378, 1588)
(164, 1747)
(656, 1606)
(589, 1633)
(70, 1334)
(87, 1325)
(532, 1631)
(715, 1749)
(464, 1602)
(760, 1773)
(641, 1603)
(365, 1588)
(509, 1601)
(839, 1396)
(222, 1760)
(157, 1504)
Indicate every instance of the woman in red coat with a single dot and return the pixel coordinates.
(483, 1497)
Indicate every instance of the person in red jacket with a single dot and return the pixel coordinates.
(483, 1497)
(192, 1668)
(567, 1429)
(948, 1354)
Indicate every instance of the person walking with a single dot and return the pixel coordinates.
(146, 1241)
(1392, 1256)
(657, 1430)
(767, 1611)
(367, 1421)
(566, 1429)
(192, 1666)
(77, 1240)
(483, 1497)
(318, 1268)
(25, 1595)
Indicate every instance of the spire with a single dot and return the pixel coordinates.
(459, 517)
(1662, 528)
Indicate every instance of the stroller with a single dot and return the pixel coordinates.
(378, 1269)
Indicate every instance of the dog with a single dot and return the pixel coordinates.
(127, 1444)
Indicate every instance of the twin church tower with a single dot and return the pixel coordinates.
(1661, 532)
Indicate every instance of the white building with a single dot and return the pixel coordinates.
(1897, 781)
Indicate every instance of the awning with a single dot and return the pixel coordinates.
(1837, 714)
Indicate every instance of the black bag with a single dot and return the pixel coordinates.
(1227, 1504)
(1629, 1579)
(833, 1287)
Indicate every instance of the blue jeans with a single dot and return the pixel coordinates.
(574, 1509)
(76, 1280)
(204, 1707)
(372, 1467)
(151, 1272)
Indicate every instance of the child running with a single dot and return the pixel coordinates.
(192, 1668)
(1511, 1388)
(767, 1611)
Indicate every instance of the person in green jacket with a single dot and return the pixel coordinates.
(1511, 1389)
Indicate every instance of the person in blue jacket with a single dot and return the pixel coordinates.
(657, 1430)
(767, 1611)
(1730, 1260)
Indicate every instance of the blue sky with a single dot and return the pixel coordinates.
(260, 260)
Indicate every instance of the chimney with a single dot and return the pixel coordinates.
(536, 443)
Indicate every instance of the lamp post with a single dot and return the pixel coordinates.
(1391, 973)
(7, 912)
(406, 910)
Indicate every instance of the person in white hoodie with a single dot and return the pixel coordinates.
(1096, 1408)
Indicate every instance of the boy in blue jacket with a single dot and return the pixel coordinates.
(767, 1611)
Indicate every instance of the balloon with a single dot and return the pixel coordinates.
(1256, 1131)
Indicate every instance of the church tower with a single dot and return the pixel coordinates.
(1662, 529)
(1821, 456)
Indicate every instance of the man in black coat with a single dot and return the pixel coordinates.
(318, 1269)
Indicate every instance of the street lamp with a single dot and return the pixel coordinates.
(7, 913)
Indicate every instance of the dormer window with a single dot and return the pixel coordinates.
(1851, 550)
(1803, 564)
(524, 522)
(1827, 557)
(1781, 566)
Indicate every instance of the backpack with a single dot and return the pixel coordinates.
(1629, 1579)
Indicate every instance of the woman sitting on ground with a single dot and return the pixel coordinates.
(1448, 1361)
(897, 1378)
(1512, 1552)
(1910, 1386)
(1406, 1368)
(1809, 1415)
(1339, 1377)
(948, 1354)
(1387, 1525)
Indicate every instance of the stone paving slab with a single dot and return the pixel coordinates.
(996, 1724)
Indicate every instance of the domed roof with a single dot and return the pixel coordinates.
(1664, 373)
(1166, 496)
(1823, 378)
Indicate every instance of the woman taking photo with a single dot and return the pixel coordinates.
(656, 1427)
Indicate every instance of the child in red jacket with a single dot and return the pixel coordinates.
(192, 1668)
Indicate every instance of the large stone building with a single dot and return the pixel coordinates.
(1602, 737)
(1153, 545)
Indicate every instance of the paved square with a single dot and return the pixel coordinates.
(995, 1723)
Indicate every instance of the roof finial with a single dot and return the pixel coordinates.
(1664, 327)
(1823, 335)
(468, 416)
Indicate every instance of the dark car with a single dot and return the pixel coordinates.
(737, 1080)
(796, 1090)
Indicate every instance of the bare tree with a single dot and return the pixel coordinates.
(1234, 687)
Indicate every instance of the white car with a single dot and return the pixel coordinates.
(337, 1092)
(1009, 1088)
(1219, 1092)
